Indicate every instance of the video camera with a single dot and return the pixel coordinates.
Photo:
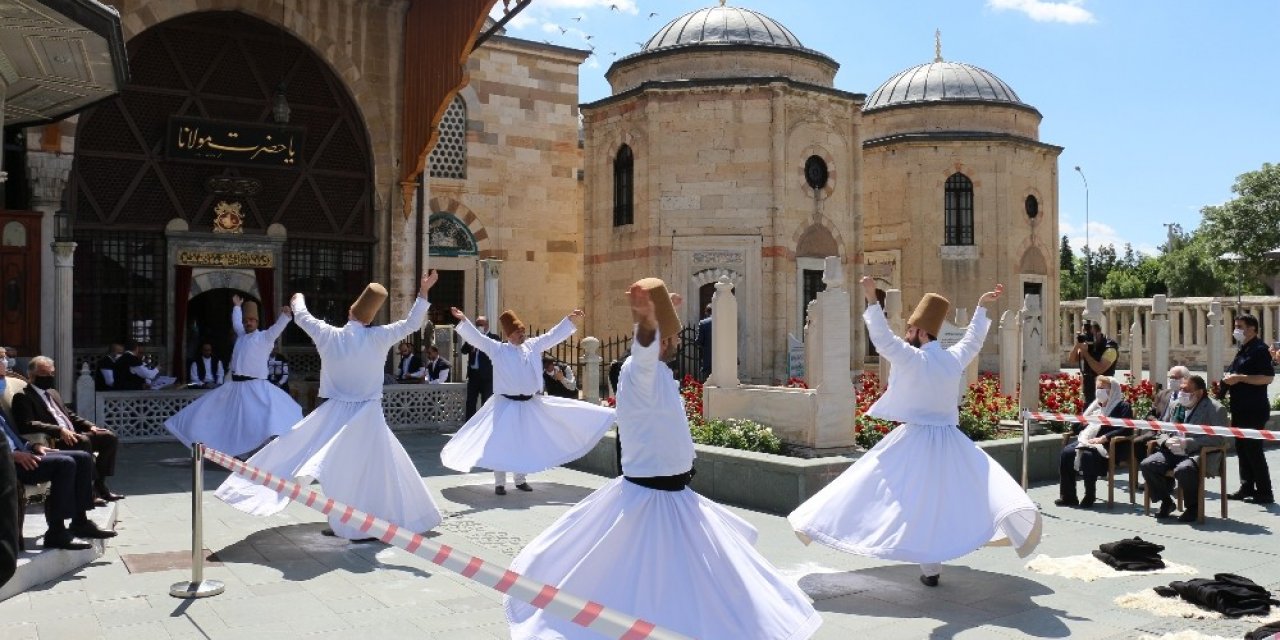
(1082, 338)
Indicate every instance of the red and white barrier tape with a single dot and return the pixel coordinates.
(583, 612)
(1209, 430)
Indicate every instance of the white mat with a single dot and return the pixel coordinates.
(1156, 604)
(1089, 568)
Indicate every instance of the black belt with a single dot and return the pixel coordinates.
(235, 377)
(665, 483)
(517, 398)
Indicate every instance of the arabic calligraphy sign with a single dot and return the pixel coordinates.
(254, 143)
(228, 259)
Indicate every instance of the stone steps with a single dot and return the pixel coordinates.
(37, 565)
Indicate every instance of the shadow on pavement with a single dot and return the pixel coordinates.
(300, 552)
(480, 497)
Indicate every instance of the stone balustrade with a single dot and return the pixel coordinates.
(1188, 320)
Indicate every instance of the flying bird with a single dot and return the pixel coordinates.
(576, 18)
(562, 29)
(588, 37)
(614, 7)
(613, 53)
(653, 14)
(640, 44)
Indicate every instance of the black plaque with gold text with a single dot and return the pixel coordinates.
(223, 142)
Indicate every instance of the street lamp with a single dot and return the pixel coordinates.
(1088, 255)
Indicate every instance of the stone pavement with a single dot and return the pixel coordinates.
(284, 580)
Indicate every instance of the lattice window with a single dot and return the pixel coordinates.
(958, 204)
(449, 158)
(449, 236)
(624, 180)
(119, 285)
(329, 274)
(430, 406)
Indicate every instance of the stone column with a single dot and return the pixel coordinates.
(724, 340)
(1159, 337)
(1032, 344)
(591, 370)
(1135, 350)
(86, 395)
(63, 261)
(893, 313)
(1217, 340)
(491, 268)
(1009, 357)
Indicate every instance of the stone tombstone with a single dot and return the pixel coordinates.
(795, 357)
(724, 340)
(1135, 351)
(834, 306)
(591, 370)
(1217, 338)
(1159, 337)
(1010, 334)
(86, 395)
(1032, 343)
(813, 346)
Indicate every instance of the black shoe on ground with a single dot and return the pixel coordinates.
(64, 540)
(1260, 500)
(1067, 502)
(88, 529)
(929, 581)
(1187, 516)
(502, 491)
(1241, 494)
(1088, 502)
(327, 532)
(1166, 508)
(524, 486)
(1142, 488)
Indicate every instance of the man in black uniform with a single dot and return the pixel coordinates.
(1246, 382)
(479, 370)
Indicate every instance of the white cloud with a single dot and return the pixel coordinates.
(1101, 234)
(625, 6)
(1067, 11)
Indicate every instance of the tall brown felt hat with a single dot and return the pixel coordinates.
(668, 321)
(250, 309)
(510, 323)
(930, 313)
(367, 305)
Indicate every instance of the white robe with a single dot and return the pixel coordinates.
(672, 558)
(237, 417)
(524, 436)
(925, 493)
(346, 444)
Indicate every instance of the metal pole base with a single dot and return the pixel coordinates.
(202, 589)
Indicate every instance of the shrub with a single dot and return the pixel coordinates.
(736, 433)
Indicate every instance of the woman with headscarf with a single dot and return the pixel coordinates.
(1087, 454)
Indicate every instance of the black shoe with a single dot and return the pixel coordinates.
(1187, 516)
(88, 529)
(63, 540)
(1087, 503)
(112, 497)
(929, 581)
(1067, 502)
(1241, 494)
(1260, 500)
(524, 486)
(1166, 509)
(1142, 488)
(502, 491)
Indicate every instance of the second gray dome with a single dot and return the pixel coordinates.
(722, 25)
(941, 82)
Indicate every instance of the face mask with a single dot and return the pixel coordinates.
(1103, 395)
(43, 382)
(1172, 383)
(10, 363)
(1238, 334)
(1187, 400)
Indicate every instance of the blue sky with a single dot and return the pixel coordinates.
(1162, 103)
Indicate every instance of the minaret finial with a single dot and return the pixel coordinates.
(937, 45)
(722, 2)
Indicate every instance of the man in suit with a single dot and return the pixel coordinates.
(437, 368)
(39, 409)
(105, 377)
(479, 370)
(131, 373)
(206, 370)
(1181, 452)
(411, 369)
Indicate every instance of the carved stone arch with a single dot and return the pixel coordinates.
(1033, 262)
(817, 242)
(708, 276)
(205, 280)
(826, 225)
(444, 204)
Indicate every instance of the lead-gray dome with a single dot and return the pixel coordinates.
(722, 25)
(940, 81)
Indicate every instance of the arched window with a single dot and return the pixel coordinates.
(624, 179)
(959, 210)
(449, 158)
(450, 236)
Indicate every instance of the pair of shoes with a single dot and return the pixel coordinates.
(524, 486)
(929, 581)
(110, 497)
(1241, 494)
(1087, 503)
(502, 491)
(88, 529)
(63, 540)
(1260, 499)
(99, 502)
(1166, 508)
(1067, 502)
(1187, 516)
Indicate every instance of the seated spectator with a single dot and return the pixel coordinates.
(105, 377)
(39, 409)
(1161, 409)
(1087, 455)
(10, 363)
(558, 380)
(206, 370)
(70, 478)
(437, 369)
(1180, 452)
(411, 369)
(131, 373)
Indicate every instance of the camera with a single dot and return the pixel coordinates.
(1084, 337)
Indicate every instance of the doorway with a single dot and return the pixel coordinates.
(449, 291)
(20, 281)
(209, 322)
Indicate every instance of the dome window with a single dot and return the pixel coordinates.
(1033, 207)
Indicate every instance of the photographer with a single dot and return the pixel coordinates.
(558, 380)
(1096, 354)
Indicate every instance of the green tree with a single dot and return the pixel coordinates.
(1248, 225)
(1066, 257)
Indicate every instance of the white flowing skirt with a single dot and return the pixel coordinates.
(350, 450)
(527, 436)
(673, 558)
(924, 494)
(236, 417)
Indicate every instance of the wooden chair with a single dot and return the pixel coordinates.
(1132, 462)
(1204, 473)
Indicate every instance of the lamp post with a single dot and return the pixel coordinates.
(64, 252)
(1088, 255)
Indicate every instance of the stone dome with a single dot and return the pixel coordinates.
(722, 25)
(940, 81)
